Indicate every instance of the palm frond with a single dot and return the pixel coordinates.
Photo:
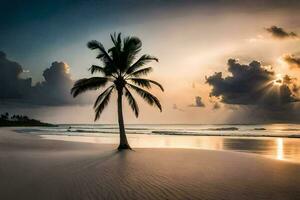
(142, 83)
(141, 72)
(102, 95)
(132, 102)
(116, 39)
(145, 82)
(94, 44)
(96, 68)
(147, 96)
(100, 107)
(116, 53)
(132, 46)
(86, 84)
(108, 61)
(143, 60)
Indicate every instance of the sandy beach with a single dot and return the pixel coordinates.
(35, 168)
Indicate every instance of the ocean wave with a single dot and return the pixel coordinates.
(141, 129)
(89, 128)
(215, 131)
(224, 129)
(87, 131)
(225, 134)
(188, 133)
(103, 131)
(290, 129)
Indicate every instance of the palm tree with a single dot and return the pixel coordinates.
(120, 69)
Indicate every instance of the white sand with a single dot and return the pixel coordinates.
(36, 169)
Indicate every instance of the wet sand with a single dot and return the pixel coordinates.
(35, 168)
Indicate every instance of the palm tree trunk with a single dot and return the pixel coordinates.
(123, 139)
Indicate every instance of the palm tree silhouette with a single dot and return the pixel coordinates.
(124, 73)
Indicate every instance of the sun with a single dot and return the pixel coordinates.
(278, 81)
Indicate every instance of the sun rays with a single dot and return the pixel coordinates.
(278, 81)
(272, 88)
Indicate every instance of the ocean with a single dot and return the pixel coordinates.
(276, 141)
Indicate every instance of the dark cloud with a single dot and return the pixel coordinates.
(256, 94)
(198, 102)
(54, 90)
(252, 114)
(253, 85)
(292, 60)
(11, 86)
(280, 33)
(232, 107)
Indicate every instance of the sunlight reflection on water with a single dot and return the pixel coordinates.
(279, 142)
(277, 148)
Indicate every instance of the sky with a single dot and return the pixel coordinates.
(219, 61)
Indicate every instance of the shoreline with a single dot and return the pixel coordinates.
(279, 148)
(94, 140)
(162, 133)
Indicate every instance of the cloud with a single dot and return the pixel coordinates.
(232, 107)
(253, 85)
(11, 86)
(216, 106)
(292, 83)
(175, 107)
(256, 94)
(198, 102)
(291, 60)
(256, 39)
(54, 90)
(280, 33)
(193, 85)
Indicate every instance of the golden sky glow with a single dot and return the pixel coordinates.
(191, 42)
(193, 46)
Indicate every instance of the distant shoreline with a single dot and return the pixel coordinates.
(27, 123)
(7, 120)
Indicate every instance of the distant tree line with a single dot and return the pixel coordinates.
(19, 120)
(7, 117)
